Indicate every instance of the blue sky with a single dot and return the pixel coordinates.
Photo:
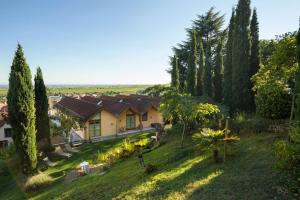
(114, 42)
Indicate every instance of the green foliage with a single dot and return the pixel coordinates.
(37, 182)
(41, 112)
(240, 58)
(184, 109)
(254, 54)
(207, 82)
(22, 112)
(297, 87)
(214, 139)
(208, 29)
(273, 102)
(156, 90)
(218, 76)
(227, 89)
(200, 69)
(191, 78)
(288, 159)
(123, 151)
(174, 72)
(273, 80)
(7, 152)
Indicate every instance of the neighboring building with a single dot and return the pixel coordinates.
(5, 133)
(52, 100)
(111, 115)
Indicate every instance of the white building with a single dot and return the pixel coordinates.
(5, 133)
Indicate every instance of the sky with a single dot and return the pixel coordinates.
(114, 41)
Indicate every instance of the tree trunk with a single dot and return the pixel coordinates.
(182, 135)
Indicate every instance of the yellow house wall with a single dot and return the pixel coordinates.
(154, 116)
(108, 124)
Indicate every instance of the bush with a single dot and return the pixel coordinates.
(258, 125)
(7, 152)
(150, 168)
(273, 102)
(125, 150)
(287, 153)
(38, 182)
(238, 122)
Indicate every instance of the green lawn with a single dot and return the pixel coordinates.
(182, 174)
(8, 187)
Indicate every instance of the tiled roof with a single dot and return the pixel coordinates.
(87, 106)
(79, 108)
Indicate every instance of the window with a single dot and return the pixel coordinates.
(94, 128)
(145, 117)
(7, 132)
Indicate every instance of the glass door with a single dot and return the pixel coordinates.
(130, 121)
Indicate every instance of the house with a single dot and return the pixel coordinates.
(5, 129)
(107, 116)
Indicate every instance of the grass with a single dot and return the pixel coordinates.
(113, 89)
(182, 174)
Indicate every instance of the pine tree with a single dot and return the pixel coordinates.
(297, 89)
(207, 83)
(42, 119)
(227, 88)
(192, 66)
(22, 112)
(241, 96)
(218, 73)
(200, 69)
(254, 55)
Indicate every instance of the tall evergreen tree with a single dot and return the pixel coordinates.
(218, 73)
(21, 112)
(297, 89)
(200, 69)
(254, 55)
(241, 96)
(227, 88)
(207, 80)
(41, 106)
(174, 72)
(192, 66)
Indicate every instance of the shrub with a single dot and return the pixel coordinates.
(238, 122)
(258, 125)
(150, 168)
(37, 182)
(125, 150)
(7, 152)
(287, 153)
(273, 102)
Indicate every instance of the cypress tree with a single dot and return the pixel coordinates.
(41, 106)
(254, 55)
(207, 83)
(241, 97)
(297, 89)
(218, 73)
(227, 88)
(22, 112)
(174, 72)
(192, 66)
(200, 69)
